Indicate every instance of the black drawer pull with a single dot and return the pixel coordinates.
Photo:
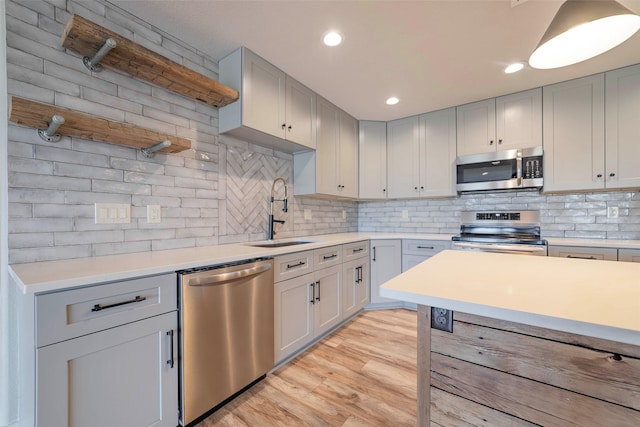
(170, 362)
(326, 257)
(301, 263)
(426, 247)
(99, 307)
(355, 251)
(581, 257)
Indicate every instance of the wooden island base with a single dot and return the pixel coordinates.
(497, 373)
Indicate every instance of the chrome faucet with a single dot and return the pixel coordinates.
(271, 221)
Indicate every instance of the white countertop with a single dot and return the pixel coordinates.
(47, 276)
(594, 243)
(599, 299)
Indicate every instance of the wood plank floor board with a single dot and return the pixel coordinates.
(363, 374)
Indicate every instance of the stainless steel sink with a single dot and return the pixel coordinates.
(278, 244)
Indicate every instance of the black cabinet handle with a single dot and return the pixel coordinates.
(284, 126)
(491, 142)
(313, 293)
(318, 285)
(326, 257)
(171, 359)
(374, 254)
(599, 175)
(355, 251)
(99, 307)
(289, 128)
(301, 263)
(499, 141)
(612, 174)
(425, 247)
(581, 257)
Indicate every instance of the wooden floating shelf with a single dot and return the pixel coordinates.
(86, 38)
(38, 115)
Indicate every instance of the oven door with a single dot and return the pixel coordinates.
(502, 248)
(488, 171)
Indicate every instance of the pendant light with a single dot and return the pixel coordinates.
(583, 29)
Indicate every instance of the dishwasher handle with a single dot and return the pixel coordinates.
(212, 278)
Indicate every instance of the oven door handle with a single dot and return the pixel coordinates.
(503, 249)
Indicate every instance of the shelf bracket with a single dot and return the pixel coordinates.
(93, 63)
(49, 134)
(149, 152)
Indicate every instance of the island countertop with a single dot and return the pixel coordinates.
(593, 298)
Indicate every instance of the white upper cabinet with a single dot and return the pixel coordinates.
(372, 148)
(438, 152)
(274, 109)
(574, 134)
(403, 158)
(622, 106)
(504, 123)
(332, 169)
(421, 154)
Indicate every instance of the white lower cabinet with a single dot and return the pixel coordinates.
(355, 279)
(416, 251)
(309, 305)
(106, 355)
(386, 263)
(629, 255)
(580, 252)
(125, 376)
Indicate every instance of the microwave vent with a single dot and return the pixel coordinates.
(498, 216)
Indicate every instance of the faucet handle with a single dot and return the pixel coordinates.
(285, 204)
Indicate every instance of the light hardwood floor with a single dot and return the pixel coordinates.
(363, 374)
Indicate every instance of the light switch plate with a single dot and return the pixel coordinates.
(112, 213)
(154, 214)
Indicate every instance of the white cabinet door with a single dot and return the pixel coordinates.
(623, 128)
(294, 314)
(124, 376)
(355, 285)
(629, 255)
(519, 120)
(348, 157)
(263, 95)
(403, 156)
(328, 299)
(386, 263)
(372, 151)
(438, 153)
(476, 124)
(300, 114)
(573, 130)
(328, 144)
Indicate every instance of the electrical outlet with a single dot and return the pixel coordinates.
(405, 214)
(154, 214)
(112, 213)
(612, 212)
(442, 319)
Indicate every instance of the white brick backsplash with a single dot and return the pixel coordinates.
(37, 226)
(100, 186)
(19, 164)
(160, 190)
(31, 240)
(50, 25)
(20, 210)
(88, 198)
(42, 210)
(101, 249)
(24, 60)
(173, 98)
(146, 178)
(27, 90)
(22, 13)
(18, 256)
(111, 101)
(33, 32)
(154, 200)
(30, 195)
(88, 107)
(79, 171)
(144, 99)
(56, 154)
(27, 180)
(164, 244)
(195, 232)
(147, 234)
(87, 237)
(195, 183)
(150, 123)
(126, 20)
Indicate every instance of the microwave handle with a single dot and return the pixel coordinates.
(519, 170)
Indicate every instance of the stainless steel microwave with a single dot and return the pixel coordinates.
(500, 170)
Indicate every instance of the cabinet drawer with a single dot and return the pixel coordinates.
(68, 314)
(327, 257)
(584, 253)
(629, 255)
(292, 265)
(424, 247)
(355, 250)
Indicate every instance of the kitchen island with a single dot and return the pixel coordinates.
(536, 340)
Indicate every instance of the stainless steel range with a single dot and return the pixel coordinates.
(516, 232)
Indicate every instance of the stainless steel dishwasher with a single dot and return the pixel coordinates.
(226, 333)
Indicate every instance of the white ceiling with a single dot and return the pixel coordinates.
(430, 54)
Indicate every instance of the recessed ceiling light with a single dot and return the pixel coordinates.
(514, 68)
(332, 38)
(392, 101)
